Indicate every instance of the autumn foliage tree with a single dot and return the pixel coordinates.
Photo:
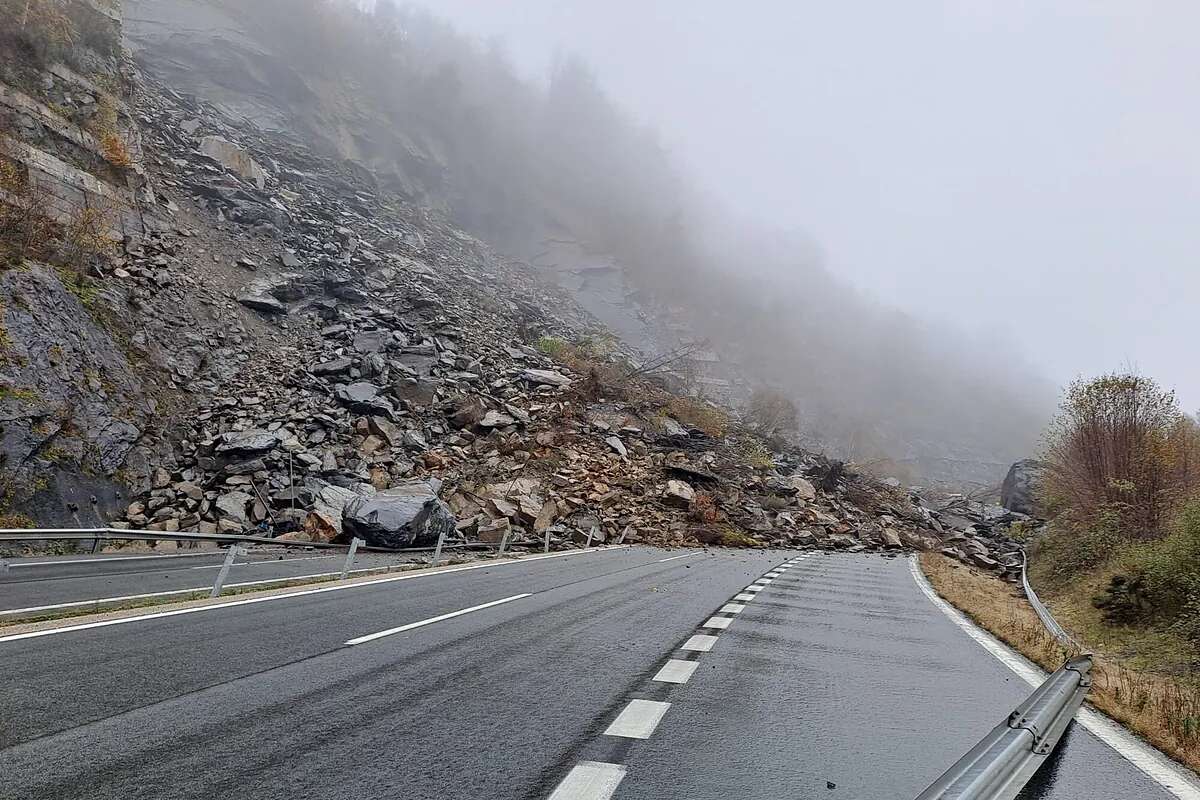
(1121, 451)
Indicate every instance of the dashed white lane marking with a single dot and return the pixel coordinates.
(1154, 764)
(732, 608)
(286, 595)
(264, 562)
(754, 588)
(719, 623)
(743, 597)
(672, 558)
(590, 780)
(370, 637)
(676, 671)
(772, 575)
(638, 719)
(700, 643)
(763, 581)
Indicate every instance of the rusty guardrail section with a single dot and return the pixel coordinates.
(1003, 762)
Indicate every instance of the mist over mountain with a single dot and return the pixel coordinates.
(555, 171)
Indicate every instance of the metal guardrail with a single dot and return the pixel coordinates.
(1048, 620)
(1000, 765)
(17, 535)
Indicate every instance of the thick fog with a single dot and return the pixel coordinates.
(1025, 171)
(917, 221)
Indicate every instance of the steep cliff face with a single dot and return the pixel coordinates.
(74, 405)
(220, 51)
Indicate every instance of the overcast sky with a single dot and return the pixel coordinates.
(1028, 171)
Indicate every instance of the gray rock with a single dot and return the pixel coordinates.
(262, 302)
(415, 391)
(802, 487)
(496, 419)
(1019, 491)
(409, 515)
(616, 444)
(679, 493)
(545, 377)
(247, 443)
(371, 341)
(364, 398)
(337, 366)
(232, 506)
(234, 159)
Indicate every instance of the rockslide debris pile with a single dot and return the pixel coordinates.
(330, 362)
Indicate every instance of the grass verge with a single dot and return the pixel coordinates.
(1162, 709)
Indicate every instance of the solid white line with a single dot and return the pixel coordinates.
(743, 597)
(638, 719)
(717, 622)
(732, 608)
(115, 558)
(700, 643)
(300, 593)
(370, 637)
(672, 558)
(676, 671)
(1154, 764)
(263, 562)
(590, 780)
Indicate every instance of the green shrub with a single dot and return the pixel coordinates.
(1170, 570)
(552, 346)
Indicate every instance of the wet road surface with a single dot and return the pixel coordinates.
(34, 584)
(678, 672)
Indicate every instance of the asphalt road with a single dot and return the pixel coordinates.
(535, 679)
(41, 583)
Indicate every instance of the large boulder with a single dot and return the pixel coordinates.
(1020, 488)
(409, 515)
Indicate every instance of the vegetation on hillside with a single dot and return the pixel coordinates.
(1165, 709)
(1121, 556)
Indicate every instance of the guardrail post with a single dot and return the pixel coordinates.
(223, 573)
(437, 551)
(95, 545)
(354, 543)
(504, 541)
(546, 549)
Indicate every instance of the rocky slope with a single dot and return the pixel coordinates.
(292, 349)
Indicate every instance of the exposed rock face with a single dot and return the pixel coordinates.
(1019, 490)
(410, 515)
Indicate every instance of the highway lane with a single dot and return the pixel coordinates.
(836, 670)
(842, 672)
(265, 701)
(41, 583)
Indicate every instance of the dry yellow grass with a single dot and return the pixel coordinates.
(1164, 710)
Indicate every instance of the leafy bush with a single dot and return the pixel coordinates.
(771, 412)
(1170, 570)
(1121, 446)
(25, 231)
(700, 415)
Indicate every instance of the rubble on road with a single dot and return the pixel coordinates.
(333, 363)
